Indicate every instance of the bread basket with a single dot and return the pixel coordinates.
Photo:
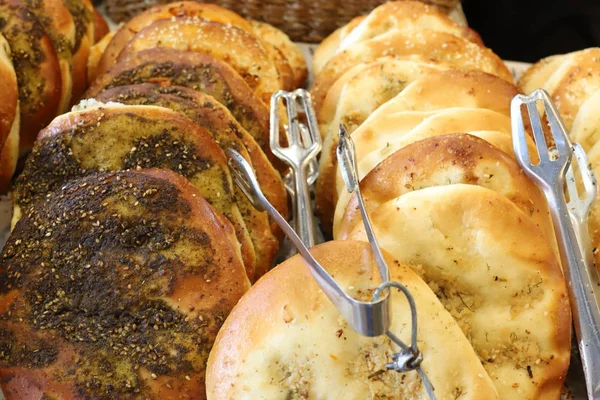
(307, 21)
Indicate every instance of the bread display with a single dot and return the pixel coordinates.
(140, 265)
(115, 286)
(285, 310)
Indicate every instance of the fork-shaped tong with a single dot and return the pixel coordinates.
(304, 144)
(569, 221)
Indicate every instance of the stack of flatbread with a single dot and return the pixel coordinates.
(461, 225)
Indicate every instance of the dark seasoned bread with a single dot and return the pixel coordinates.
(9, 116)
(244, 52)
(129, 137)
(36, 65)
(114, 287)
(196, 71)
(216, 119)
(60, 27)
(83, 14)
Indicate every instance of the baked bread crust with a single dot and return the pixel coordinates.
(351, 99)
(327, 48)
(436, 90)
(445, 160)
(121, 292)
(396, 15)
(83, 17)
(96, 52)
(216, 119)
(60, 27)
(281, 41)
(196, 71)
(493, 270)
(37, 68)
(243, 51)
(421, 45)
(9, 117)
(123, 35)
(110, 138)
(252, 356)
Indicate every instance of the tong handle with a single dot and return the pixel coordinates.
(582, 285)
(305, 222)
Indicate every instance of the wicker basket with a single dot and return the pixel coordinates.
(303, 20)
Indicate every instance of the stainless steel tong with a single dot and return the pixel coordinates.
(304, 145)
(553, 171)
(366, 318)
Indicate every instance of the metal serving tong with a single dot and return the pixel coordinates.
(553, 171)
(366, 318)
(304, 145)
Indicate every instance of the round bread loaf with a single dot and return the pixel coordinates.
(399, 15)
(114, 287)
(494, 271)
(83, 17)
(60, 27)
(196, 71)
(243, 51)
(536, 75)
(280, 40)
(327, 48)
(573, 81)
(110, 138)
(411, 87)
(445, 160)
(37, 68)
(199, 11)
(351, 99)
(9, 116)
(124, 34)
(381, 136)
(586, 126)
(286, 340)
(421, 45)
(96, 52)
(216, 119)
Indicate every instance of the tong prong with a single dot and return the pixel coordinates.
(245, 178)
(346, 155)
(366, 318)
(538, 131)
